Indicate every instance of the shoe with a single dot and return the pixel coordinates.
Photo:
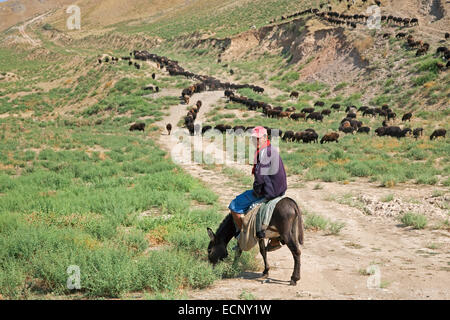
(261, 234)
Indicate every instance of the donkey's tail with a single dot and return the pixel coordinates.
(297, 226)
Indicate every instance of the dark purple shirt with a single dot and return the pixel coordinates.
(270, 176)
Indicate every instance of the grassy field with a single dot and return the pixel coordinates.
(80, 189)
(105, 200)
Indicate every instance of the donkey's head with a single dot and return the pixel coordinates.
(217, 249)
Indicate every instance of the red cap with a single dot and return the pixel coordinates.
(259, 132)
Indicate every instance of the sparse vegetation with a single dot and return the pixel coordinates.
(417, 221)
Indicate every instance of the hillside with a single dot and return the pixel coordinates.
(77, 186)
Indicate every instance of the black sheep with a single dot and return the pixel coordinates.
(319, 103)
(438, 133)
(417, 132)
(308, 110)
(407, 116)
(381, 131)
(363, 130)
(315, 116)
(288, 136)
(139, 126)
(206, 128)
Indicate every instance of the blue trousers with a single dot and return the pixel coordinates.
(242, 202)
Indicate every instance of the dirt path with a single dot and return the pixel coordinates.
(24, 26)
(410, 264)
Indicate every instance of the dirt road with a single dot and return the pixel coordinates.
(406, 263)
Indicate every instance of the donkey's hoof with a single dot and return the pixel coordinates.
(265, 275)
(293, 283)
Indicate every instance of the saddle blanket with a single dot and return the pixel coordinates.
(257, 217)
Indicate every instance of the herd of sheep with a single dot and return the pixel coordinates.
(348, 125)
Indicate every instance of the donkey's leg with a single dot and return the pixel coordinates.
(262, 250)
(294, 246)
(237, 255)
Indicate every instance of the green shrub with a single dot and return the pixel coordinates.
(417, 221)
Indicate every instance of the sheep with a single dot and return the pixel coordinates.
(363, 108)
(284, 114)
(288, 136)
(139, 126)
(349, 108)
(291, 109)
(391, 115)
(191, 129)
(355, 123)
(381, 131)
(438, 133)
(188, 119)
(440, 50)
(315, 116)
(335, 106)
(395, 131)
(319, 103)
(294, 94)
(326, 112)
(407, 116)
(169, 128)
(308, 110)
(308, 136)
(404, 132)
(228, 93)
(363, 130)
(296, 116)
(417, 132)
(206, 128)
(369, 112)
(329, 137)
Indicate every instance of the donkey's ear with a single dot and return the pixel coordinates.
(211, 234)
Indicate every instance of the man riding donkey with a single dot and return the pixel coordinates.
(270, 182)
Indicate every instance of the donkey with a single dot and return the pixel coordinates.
(286, 219)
